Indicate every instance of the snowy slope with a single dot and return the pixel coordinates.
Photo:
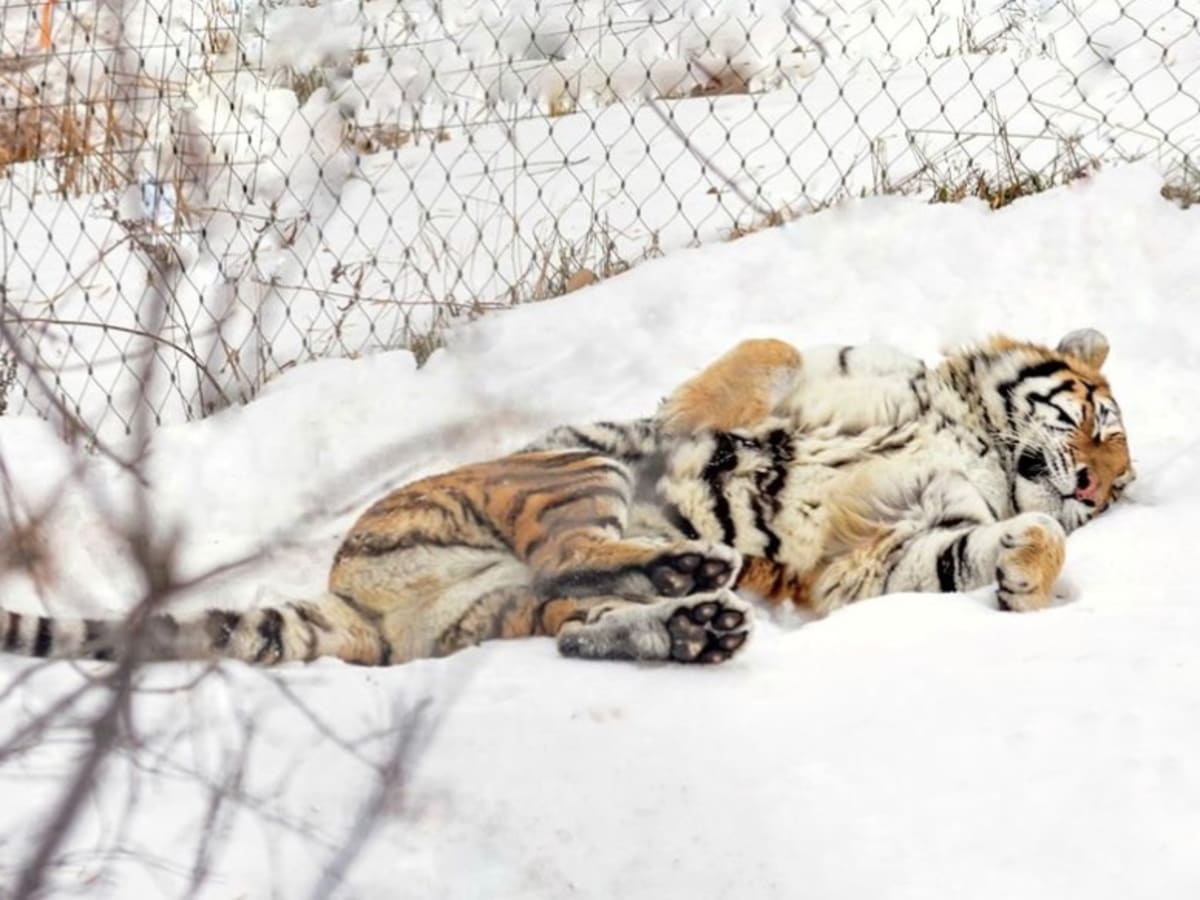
(908, 747)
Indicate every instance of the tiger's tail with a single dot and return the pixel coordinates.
(295, 631)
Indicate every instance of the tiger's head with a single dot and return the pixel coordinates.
(1063, 428)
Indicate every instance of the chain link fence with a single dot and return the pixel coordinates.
(199, 194)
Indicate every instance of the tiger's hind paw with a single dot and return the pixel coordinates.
(693, 568)
(709, 628)
(704, 628)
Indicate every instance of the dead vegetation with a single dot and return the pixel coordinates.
(80, 142)
(560, 265)
(1006, 177)
(1183, 185)
(391, 136)
(773, 218)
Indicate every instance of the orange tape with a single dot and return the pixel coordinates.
(44, 32)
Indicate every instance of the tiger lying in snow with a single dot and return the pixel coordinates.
(817, 479)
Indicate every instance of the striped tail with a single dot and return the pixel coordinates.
(298, 631)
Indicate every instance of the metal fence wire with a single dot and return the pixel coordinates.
(199, 194)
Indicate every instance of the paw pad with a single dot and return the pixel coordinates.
(708, 632)
(678, 574)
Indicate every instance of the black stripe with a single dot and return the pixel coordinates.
(945, 569)
(94, 631)
(844, 461)
(484, 523)
(782, 450)
(960, 558)
(12, 637)
(586, 493)
(559, 459)
(373, 618)
(723, 459)
(768, 484)
(220, 625)
(310, 615)
(947, 564)
(163, 633)
(844, 360)
(1060, 388)
(896, 440)
(583, 440)
(674, 515)
(310, 633)
(45, 637)
(522, 498)
(772, 545)
(952, 522)
(363, 612)
(1041, 370)
(540, 472)
(270, 629)
(916, 384)
(605, 522)
(586, 582)
(373, 544)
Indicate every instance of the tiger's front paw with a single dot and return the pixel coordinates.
(1031, 557)
(693, 567)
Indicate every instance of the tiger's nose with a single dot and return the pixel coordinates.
(1086, 486)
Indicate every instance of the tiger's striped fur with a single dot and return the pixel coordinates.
(818, 479)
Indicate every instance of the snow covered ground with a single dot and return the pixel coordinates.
(908, 747)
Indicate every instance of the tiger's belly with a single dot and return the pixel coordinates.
(787, 501)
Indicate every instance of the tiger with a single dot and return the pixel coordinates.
(814, 479)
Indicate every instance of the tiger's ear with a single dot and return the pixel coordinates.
(1087, 345)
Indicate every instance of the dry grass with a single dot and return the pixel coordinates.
(557, 266)
(81, 143)
(1183, 185)
(560, 265)
(1005, 177)
(998, 190)
(1001, 181)
(771, 219)
(368, 139)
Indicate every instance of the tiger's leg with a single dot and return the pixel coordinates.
(852, 386)
(1023, 555)
(568, 525)
(703, 628)
(740, 389)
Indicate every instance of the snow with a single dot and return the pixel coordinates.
(913, 746)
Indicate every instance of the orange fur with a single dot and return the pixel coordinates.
(1037, 560)
(776, 583)
(737, 391)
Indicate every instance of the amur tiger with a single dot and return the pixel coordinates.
(816, 479)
